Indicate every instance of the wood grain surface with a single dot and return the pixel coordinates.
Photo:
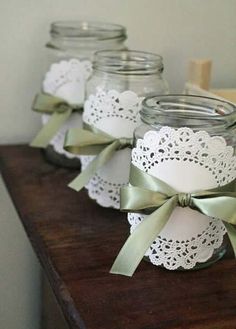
(77, 241)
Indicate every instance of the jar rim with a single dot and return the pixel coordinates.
(182, 107)
(128, 62)
(87, 30)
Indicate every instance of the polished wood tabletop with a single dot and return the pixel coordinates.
(77, 241)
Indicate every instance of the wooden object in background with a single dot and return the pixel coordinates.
(227, 94)
(77, 241)
(199, 72)
(199, 76)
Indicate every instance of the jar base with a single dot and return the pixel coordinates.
(60, 160)
(217, 255)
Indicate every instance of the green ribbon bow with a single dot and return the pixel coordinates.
(60, 111)
(150, 193)
(92, 141)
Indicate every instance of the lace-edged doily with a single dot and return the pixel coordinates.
(187, 161)
(118, 115)
(67, 80)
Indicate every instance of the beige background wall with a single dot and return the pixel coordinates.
(177, 29)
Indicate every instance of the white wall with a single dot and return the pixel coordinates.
(177, 29)
(19, 272)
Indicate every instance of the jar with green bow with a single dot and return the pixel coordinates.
(181, 198)
(60, 102)
(120, 81)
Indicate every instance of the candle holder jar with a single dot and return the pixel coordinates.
(70, 53)
(189, 143)
(120, 81)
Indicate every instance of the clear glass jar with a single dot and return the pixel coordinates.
(120, 81)
(188, 142)
(69, 66)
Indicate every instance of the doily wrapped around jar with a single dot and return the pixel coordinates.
(120, 81)
(116, 114)
(187, 161)
(70, 52)
(67, 79)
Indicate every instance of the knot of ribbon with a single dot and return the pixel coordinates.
(184, 199)
(124, 142)
(152, 195)
(92, 141)
(62, 107)
(60, 111)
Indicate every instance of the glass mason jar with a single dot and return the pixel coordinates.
(189, 143)
(70, 53)
(120, 81)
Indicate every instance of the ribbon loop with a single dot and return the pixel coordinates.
(60, 111)
(151, 195)
(92, 141)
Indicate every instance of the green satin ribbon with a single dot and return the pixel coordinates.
(60, 111)
(153, 195)
(92, 141)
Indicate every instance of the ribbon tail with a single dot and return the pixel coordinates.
(80, 181)
(141, 239)
(49, 130)
(231, 231)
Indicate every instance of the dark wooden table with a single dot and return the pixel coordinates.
(77, 241)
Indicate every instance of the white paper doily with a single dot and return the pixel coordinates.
(67, 79)
(118, 115)
(188, 162)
